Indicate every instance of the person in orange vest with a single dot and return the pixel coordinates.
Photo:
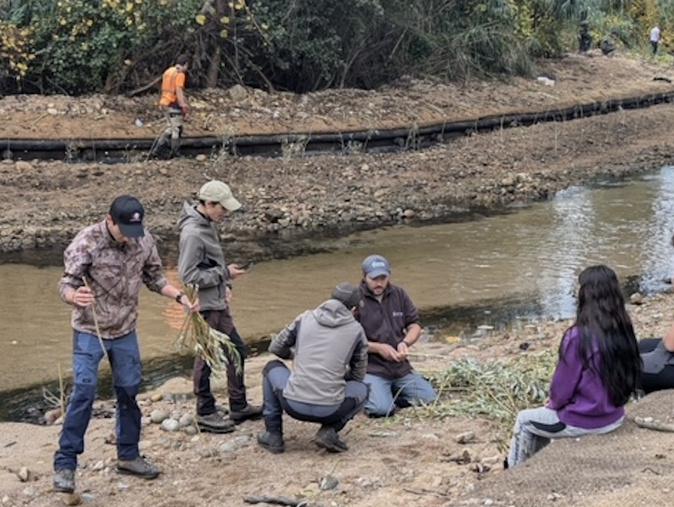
(174, 104)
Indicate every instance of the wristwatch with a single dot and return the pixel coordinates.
(179, 297)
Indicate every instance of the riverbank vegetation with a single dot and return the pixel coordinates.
(113, 46)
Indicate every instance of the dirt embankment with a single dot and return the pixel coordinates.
(241, 111)
(293, 204)
(411, 459)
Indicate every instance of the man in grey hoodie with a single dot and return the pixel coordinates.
(329, 351)
(202, 263)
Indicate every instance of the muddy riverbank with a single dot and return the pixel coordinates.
(296, 204)
(414, 458)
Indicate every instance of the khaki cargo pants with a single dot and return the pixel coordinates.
(173, 130)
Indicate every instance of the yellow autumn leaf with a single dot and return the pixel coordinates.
(201, 19)
(224, 20)
(224, 34)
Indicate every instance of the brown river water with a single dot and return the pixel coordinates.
(531, 255)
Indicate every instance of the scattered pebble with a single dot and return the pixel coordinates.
(328, 482)
(465, 438)
(159, 415)
(170, 425)
(24, 474)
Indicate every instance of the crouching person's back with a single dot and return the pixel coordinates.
(329, 352)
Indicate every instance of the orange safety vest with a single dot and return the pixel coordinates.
(171, 81)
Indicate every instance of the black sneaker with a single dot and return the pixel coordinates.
(271, 441)
(328, 439)
(139, 467)
(251, 412)
(64, 480)
(215, 423)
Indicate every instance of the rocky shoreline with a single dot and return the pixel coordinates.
(302, 204)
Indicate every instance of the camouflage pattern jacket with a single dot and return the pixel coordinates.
(114, 273)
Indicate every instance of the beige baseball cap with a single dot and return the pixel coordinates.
(217, 191)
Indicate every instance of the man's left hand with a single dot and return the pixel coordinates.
(235, 271)
(403, 349)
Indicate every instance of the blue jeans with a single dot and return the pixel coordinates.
(386, 394)
(275, 378)
(126, 372)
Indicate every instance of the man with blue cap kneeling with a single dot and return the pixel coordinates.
(391, 323)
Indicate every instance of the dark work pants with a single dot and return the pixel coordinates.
(221, 320)
(126, 372)
(275, 378)
(655, 381)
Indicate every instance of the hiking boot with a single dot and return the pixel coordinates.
(328, 439)
(251, 412)
(272, 441)
(64, 480)
(214, 423)
(139, 467)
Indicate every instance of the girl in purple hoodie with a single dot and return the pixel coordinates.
(598, 370)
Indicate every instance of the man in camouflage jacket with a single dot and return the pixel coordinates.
(105, 266)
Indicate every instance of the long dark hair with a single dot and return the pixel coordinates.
(601, 319)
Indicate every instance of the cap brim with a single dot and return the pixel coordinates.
(231, 204)
(132, 230)
(376, 273)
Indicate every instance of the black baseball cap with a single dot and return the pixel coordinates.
(127, 212)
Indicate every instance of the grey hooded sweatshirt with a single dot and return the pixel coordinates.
(330, 348)
(201, 260)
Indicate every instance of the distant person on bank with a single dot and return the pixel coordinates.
(105, 267)
(329, 352)
(174, 105)
(655, 39)
(391, 324)
(202, 262)
(598, 370)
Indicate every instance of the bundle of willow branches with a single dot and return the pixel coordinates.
(197, 337)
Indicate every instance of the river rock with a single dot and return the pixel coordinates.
(186, 420)
(159, 415)
(22, 165)
(23, 474)
(170, 425)
(201, 158)
(328, 482)
(190, 430)
(235, 444)
(409, 213)
(52, 111)
(237, 92)
(100, 465)
(156, 397)
(72, 499)
(465, 438)
(50, 416)
(637, 298)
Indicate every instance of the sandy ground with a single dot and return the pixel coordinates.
(402, 461)
(243, 111)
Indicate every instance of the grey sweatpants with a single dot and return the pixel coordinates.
(535, 428)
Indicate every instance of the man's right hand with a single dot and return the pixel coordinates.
(389, 353)
(82, 297)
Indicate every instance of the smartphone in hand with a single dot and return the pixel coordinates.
(246, 265)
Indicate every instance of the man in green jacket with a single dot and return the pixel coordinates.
(202, 262)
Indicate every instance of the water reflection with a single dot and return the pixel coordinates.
(657, 247)
(531, 257)
(563, 251)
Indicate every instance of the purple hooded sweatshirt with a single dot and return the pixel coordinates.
(578, 394)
